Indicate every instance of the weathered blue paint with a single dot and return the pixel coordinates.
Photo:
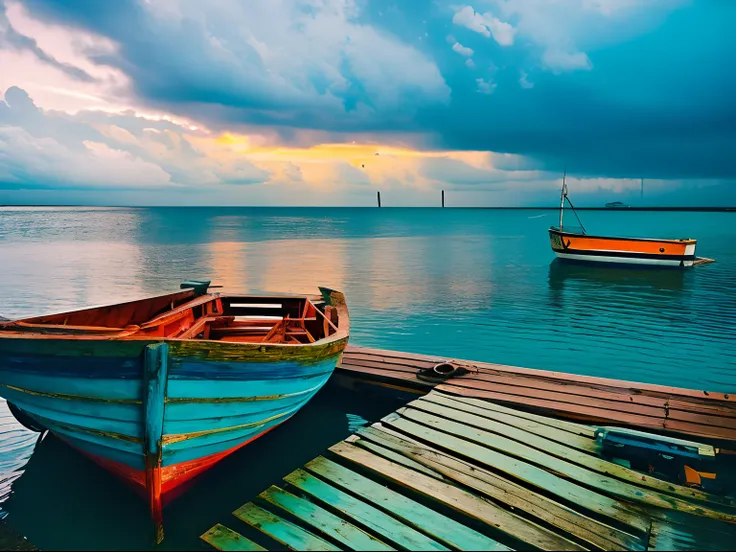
(95, 404)
(155, 371)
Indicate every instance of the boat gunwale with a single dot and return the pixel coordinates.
(342, 329)
(685, 241)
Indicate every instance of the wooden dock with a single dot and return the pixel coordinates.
(698, 414)
(448, 472)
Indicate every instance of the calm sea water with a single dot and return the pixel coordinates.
(474, 284)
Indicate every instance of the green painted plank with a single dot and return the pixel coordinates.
(528, 473)
(394, 457)
(576, 473)
(391, 529)
(553, 446)
(222, 538)
(468, 504)
(285, 532)
(323, 521)
(581, 442)
(439, 527)
(571, 427)
(515, 496)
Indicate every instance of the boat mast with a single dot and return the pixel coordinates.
(562, 196)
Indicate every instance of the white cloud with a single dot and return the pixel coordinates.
(524, 81)
(559, 60)
(470, 63)
(27, 161)
(486, 24)
(46, 149)
(485, 86)
(462, 50)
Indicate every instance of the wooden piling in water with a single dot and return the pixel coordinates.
(443, 198)
(378, 195)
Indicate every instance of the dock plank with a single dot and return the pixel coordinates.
(594, 414)
(528, 473)
(393, 456)
(468, 504)
(281, 530)
(392, 530)
(688, 412)
(638, 388)
(417, 419)
(554, 448)
(439, 527)
(323, 521)
(585, 443)
(584, 430)
(489, 484)
(223, 538)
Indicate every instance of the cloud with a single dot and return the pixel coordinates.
(12, 39)
(524, 81)
(485, 24)
(462, 50)
(485, 86)
(269, 63)
(41, 149)
(620, 89)
(558, 61)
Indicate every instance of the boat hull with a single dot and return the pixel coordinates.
(157, 413)
(630, 251)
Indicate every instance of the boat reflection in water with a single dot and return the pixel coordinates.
(591, 275)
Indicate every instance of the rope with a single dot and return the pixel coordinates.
(576, 214)
(459, 369)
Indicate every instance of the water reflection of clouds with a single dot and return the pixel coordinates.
(60, 275)
(288, 266)
(376, 273)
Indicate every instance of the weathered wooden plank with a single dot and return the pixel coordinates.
(634, 387)
(391, 375)
(389, 364)
(515, 496)
(285, 532)
(577, 473)
(155, 376)
(509, 386)
(565, 425)
(604, 394)
(533, 475)
(393, 456)
(454, 497)
(222, 538)
(439, 527)
(567, 453)
(565, 409)
(391, 529)
(580, 442)
(323, 521)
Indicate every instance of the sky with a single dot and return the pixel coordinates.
(325, 102)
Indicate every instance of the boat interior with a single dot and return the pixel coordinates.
(186, 315)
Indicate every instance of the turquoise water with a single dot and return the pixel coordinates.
(460, 283)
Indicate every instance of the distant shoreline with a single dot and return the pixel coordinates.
(678, 209)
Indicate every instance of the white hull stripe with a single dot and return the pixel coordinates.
(623, 260)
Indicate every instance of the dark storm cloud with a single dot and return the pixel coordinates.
(631, 90)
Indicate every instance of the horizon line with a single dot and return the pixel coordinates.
(497, 208)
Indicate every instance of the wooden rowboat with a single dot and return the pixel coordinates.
(160, 389)
(578, 245)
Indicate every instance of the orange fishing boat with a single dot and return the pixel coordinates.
(577, 245)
